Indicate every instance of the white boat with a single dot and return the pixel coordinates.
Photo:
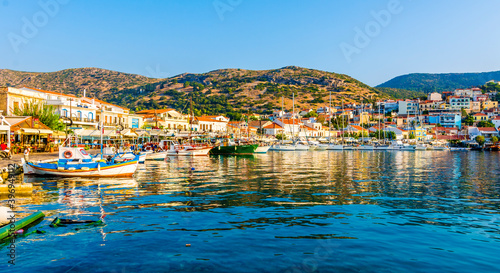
(322, 147)
(284, 147)
(262, 149)
(176, 149)
(381, 147)
(76, 162)
(348, 147)
(420, 147)
(156, 155)
(366, 147)
(440, 148)
(301, 147)
(459, 149)
(332, 147)
(119, 157)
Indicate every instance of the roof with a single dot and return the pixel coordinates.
(103, 102)
(15, 120)
(273, 126)
(479, 114)
(157, 111)
(290, 121)
(357, 127)
(208, 119)
(51, 92)
(487, 129)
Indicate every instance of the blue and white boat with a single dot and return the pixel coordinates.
(76, 162)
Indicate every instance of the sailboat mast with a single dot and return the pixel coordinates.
(293, 115)
(330, 119)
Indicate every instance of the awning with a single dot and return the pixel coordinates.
(45, 131)
(128, 133)
(30, 131)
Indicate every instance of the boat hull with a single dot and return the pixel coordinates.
(262, 149)
(283, 147)
(234, 150)
(156, 156)
(97, 169)
(189, 152)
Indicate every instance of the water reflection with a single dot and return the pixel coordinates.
(287, 198)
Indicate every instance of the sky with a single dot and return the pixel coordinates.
(372, 41)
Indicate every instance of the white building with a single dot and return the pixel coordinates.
(408, 107)
(435, 96)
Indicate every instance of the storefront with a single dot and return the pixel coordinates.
(29, 132)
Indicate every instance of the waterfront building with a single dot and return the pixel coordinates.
(408, 107)
(168, 119)
(273, 129)
(496, 121)
(488, 104)
(434, 96)
(208, 124)
(426, 105)
(447, 120)
(82, 114)
(480, 117)
(467, 92)
(487, 132)
(14, 98)
(459, 102)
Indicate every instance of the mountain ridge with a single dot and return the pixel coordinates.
(429, 82)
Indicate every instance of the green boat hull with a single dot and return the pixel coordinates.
(234, 150)
(19, 224)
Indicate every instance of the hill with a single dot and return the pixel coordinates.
(217, 92)
(237, 90)
(97, 81)
(440, 82)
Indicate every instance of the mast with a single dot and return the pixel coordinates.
(330, 119)
(282, 121)
(342, 121)
(293, 114)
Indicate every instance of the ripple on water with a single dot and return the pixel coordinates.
(297, 212)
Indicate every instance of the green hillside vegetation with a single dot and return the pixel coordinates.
(401, 93)
(223, 91)
(440, 82)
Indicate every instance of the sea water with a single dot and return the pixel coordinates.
(322, 211)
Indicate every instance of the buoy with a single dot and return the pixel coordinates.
(188, 245)
(192, 169)
(5, 215)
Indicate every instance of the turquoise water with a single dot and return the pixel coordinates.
(352, 211)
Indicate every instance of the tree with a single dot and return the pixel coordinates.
(411, 136)
(46, 114)
(485, 123)
(480, 140)
(469, 120)
(464, 113)
(311, 114)
(494, 139)
(280, 137)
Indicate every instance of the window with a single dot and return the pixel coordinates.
(16, 105)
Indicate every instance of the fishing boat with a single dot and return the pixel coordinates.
(175, 149)
(124, 156)
(231, 148)
(156, 155)
(76, 162)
